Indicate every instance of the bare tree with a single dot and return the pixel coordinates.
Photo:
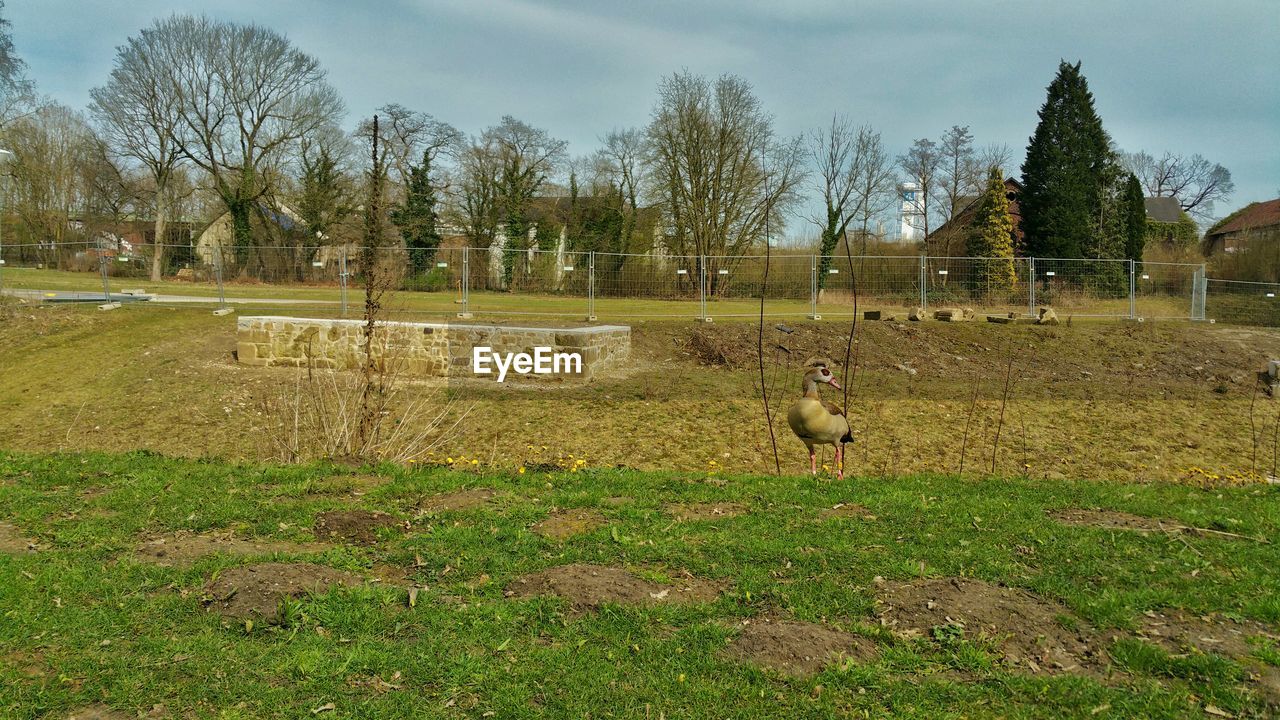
(409, 138)
(833, 152)
(718, 166)
(137, 113)
(477, 202)
(956, 171)
(1196, 182)
(17, 91)
(922, 164)
(244, 97)
(622, 161)
(875, 188)
(997, 155)
(52, 148)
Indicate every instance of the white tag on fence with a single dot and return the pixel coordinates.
(442, 264)
(568, 268)
(724, 272)
(317, 263)
(682, 272)
(832, 271)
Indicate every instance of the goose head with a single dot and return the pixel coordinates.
(818, 372)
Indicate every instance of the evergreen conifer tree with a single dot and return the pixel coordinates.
(991, 239)
(1065, 172)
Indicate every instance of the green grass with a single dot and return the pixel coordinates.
(85, 622)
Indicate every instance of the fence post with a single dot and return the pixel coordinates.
(924, 282)
(813, 288)
(342, 279)
(591, 286)
(1199, 293)
(466, 283)
(1031, 287)
(217, 273)
(1133, 296)
(106, 284)
(702, 289)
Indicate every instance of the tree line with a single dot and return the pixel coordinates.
(201, 119)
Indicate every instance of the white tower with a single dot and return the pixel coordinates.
(912, 214)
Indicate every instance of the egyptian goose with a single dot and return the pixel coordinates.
(816, 422)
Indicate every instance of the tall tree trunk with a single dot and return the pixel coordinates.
(241, 230)
(158, 245)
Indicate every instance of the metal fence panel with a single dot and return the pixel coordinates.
(330, 279)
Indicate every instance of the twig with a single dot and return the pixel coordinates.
(1004, 400)
(1179, 538)
(964, 442)
(764, 290)
(1253, 428)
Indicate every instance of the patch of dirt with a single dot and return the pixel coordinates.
(796, 648)
(590, 586)
(184, 548)
(847, 510)
(1267, 681)
(1116, 520)
(1027, 630)
(347, 485)
(28, 664)
(458, 500)
(358, 526)
(256, 590)
(564, 524)
(617, 501)
(1111, 520)
(1178, 633)
(12, 541)
(686, 512)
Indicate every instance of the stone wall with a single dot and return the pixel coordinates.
(426, 349)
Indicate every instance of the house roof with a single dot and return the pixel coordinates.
(1250, 217)
(1163, 209)
(969, 207)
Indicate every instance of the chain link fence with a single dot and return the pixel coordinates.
(533, 282)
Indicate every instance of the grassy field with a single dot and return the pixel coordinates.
(438, 619)
(1152, 402)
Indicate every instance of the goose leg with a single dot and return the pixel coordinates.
(840, 462)
(813, 461)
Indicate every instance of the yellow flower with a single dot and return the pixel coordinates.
(475, 462)
(449, 460)
(521, 470)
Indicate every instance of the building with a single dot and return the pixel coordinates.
(950, 238)
(1253, 223)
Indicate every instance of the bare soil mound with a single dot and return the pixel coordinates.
(1177, 633)
(256, 590)
(1030, 632)
(184, 548)
(590, 586)
(564, 524)
(358, 526)
(686, 512)
(1112, 520)
(847, 510)
(12, 541)
(458, 500)
(796, 648)
(353, 485)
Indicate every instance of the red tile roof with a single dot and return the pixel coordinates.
(1250, 217)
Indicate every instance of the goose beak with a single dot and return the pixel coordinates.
(832, 382)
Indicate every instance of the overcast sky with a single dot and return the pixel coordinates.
(1190, 77)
